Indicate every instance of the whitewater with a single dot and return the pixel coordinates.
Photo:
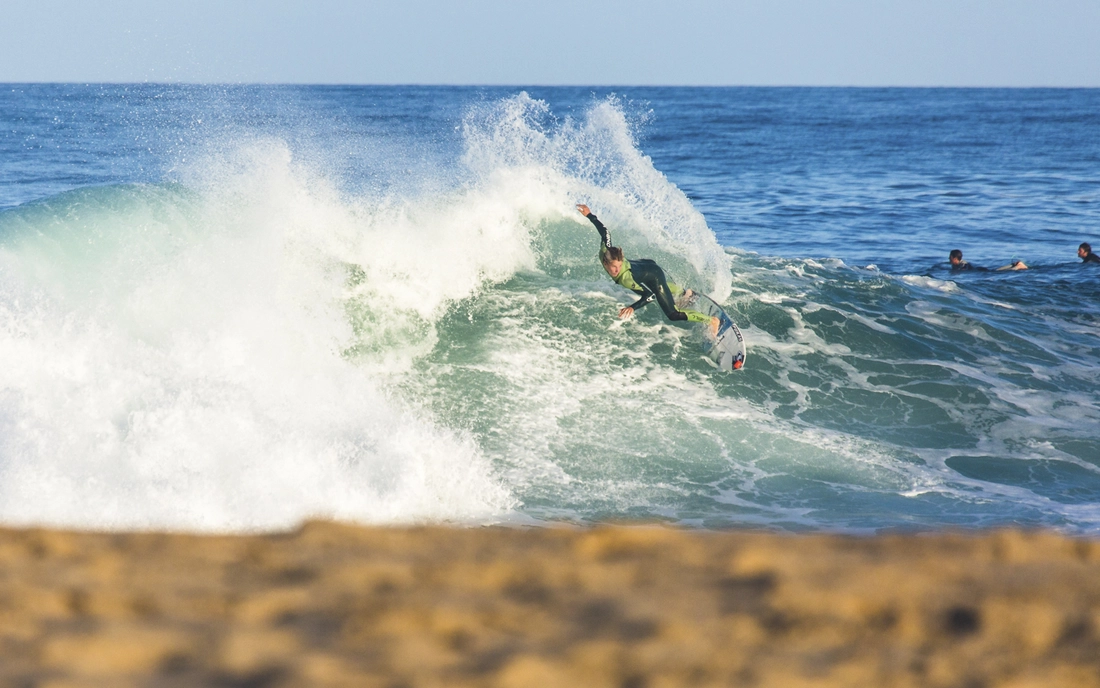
(235, 308)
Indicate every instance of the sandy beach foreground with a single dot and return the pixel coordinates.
(630, 607)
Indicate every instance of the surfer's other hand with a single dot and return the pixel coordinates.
(584, 209)
(626, 312)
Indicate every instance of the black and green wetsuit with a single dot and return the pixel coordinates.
(646, 279)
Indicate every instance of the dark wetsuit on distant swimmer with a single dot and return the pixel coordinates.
(1087, 256)
(643, 277)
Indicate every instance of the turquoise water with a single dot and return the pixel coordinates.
(233, 308)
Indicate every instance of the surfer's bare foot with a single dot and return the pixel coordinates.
(714, 323)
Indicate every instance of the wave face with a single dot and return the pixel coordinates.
(265, 304)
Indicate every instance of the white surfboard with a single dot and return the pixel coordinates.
(726, 351)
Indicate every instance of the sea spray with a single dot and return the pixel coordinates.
(596, 160)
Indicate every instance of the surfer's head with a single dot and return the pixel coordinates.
(1083, 250)
(956, 256)
(612, 260)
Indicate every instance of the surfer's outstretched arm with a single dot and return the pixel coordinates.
(648, 297)
(605, 236)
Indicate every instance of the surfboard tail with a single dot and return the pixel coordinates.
(725, 346)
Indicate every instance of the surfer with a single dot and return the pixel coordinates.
(643, 277)
(1084, 252)
(959, 265)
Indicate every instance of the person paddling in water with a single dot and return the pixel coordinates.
(645, 278)
(1084, 252)
(959, 265)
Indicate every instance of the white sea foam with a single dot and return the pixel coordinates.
(930, 283)
(185, 369)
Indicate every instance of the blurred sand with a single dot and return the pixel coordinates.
(629, 607)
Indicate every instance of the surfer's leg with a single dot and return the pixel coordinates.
(657, 283)
(653, 277)
(668, 305)
(712, 322)
(696, 316)
(654, 280)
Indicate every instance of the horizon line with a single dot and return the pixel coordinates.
(526, 85)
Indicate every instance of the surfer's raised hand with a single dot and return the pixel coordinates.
(626, 313)
(584, 209)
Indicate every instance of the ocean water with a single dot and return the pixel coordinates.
(231, 308)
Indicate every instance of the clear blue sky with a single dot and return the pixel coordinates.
(549, 42)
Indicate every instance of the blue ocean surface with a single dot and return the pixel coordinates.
(230, 308)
